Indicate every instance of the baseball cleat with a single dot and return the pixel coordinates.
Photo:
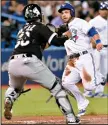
(100, 95)
(83, 111)
(88, 94)
(8, 109)
(77, 121)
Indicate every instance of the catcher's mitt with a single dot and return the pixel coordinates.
(62, 29)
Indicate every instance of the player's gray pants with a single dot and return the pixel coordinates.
(22, 68)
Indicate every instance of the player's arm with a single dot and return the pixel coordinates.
(89, 30)
(58, 41)
(95, 37)
(62, 34)
(91, 22)
(93, 43)
(51, 37)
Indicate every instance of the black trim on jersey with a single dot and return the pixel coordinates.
(51, 37)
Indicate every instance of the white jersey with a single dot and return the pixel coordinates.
(101, 26)
(80, 40)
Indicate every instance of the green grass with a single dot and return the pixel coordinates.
(34, 103)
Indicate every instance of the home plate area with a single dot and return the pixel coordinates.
(88, 119)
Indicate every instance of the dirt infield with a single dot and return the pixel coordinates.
(88, 119)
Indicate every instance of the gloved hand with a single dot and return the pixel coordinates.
(62, 29)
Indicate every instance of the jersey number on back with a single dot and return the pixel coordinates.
(24, 36)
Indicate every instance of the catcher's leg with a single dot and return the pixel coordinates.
(42, 75)
(12, 93)
(63, 102)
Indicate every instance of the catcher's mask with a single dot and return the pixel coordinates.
(32, 12)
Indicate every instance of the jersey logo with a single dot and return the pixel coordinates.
(74, 36)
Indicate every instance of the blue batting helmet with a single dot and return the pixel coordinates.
(69, 7)
(104, 5)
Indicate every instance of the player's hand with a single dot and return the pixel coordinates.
(99, 46)
(67, 33)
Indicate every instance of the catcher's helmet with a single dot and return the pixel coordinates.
(32, 12)
(104, 5)
(69, 7)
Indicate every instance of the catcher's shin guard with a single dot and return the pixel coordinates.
(10, 96)
(12, 93)
(62, 100)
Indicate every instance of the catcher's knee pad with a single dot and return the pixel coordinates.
(63, 102)
(12, 93)
(61, 98)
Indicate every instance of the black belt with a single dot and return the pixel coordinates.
(75, 55)
(23, 55)
(105, 45)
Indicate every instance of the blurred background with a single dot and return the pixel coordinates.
(12, 20)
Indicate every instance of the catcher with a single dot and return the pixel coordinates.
(25, 63)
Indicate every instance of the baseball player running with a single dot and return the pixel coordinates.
(81, 61)
(100, 23)
(25, 63)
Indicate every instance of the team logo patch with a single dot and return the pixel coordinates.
(74, 35)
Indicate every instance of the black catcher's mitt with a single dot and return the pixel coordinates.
(62, 29)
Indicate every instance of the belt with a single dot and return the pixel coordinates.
(105, 45)
(75, 55)
(20, 56)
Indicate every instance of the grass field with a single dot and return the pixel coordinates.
(34, 103)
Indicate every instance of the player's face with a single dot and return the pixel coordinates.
(104, 13)
(65, 15)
